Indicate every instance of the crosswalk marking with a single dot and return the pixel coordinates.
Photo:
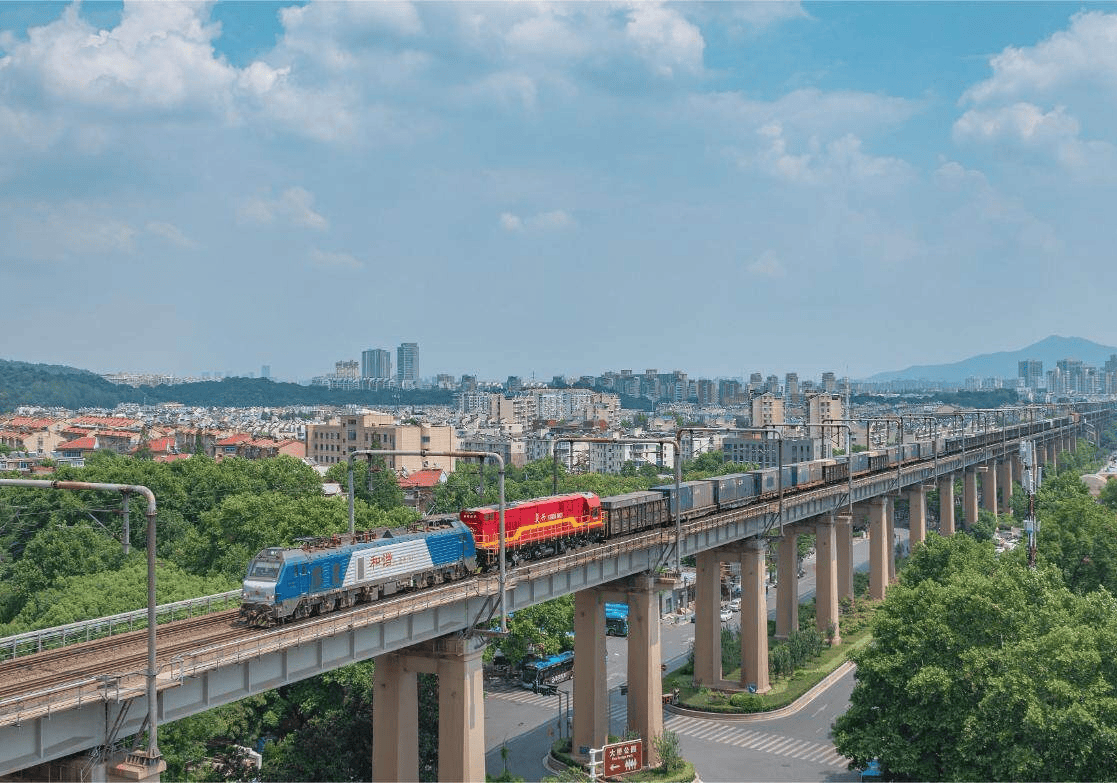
(756, 741)
(696, 728)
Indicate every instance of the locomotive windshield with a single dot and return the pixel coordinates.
(263, 569)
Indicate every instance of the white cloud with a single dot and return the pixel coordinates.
(1054, 133)
(328, 260)
(510, 222)
(665, 39)
(1024, 122)
(767, 264)
(169, 232)
(554, 220)
(159, 56)
(840, 162)
(294, 205)
(1086, 53)
(67, 230)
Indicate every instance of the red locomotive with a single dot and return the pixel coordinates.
(536, 528)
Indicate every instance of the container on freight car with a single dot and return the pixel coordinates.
(635, 511)
(809, 473)
(789, 476)
(692, 496)
(911, 451)
(733, 489)
(895, 455)
(836, 469)
(860, 462)
(767, 480)
(878, 460)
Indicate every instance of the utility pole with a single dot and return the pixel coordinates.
(1030, 482)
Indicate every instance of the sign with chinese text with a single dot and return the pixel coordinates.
(621, 758)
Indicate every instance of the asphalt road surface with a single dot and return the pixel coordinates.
(520, 725)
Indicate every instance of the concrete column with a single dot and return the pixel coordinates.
(946, 505)
(826, 577)
(787, 586)
(1005, 482)
(461, 713)
(843, 546)
(890, 519)
(754, 617)
(1052, 456)
(989, 487)
(645, 678)
(395, 720)
(969, 497)
(917, 514)
(878, 547)
(707, 624)
(591, 688)
(130, 767)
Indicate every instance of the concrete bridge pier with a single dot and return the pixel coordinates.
(843, 548)
(917, 514)
(707, 624)
(1005, 482)
(989, 487)
(946, 505)
(890, 508)
(787, 586)
(456, 660)
(645, 675)
(754, 616)
(880, 547)
(1053, 455)
(969, 497)
(591, 690)
(826, 578)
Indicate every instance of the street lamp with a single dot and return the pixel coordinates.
(152, 758)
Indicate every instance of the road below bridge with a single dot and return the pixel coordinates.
(520, 726)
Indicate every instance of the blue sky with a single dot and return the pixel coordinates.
(554, 188)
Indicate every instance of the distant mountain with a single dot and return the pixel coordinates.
(50, 385)
(1004, 364)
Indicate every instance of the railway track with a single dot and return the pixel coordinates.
(126, 654)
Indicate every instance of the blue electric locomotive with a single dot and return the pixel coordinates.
(338, 571)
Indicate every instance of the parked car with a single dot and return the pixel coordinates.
(735, 605)
(726, 615)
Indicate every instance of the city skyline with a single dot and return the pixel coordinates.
(543, 188)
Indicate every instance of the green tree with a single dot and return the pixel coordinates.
(982, 669)
(373, 482)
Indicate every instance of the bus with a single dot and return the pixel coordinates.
(616, 619)
(551, 670)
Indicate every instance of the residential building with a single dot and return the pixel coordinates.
(765, 451)
(791, 388)
(333, 442)
(407, 363)
(821, 408)
(376, 363)
(1031, 371)
(767, 409)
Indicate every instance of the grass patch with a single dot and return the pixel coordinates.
(560, 750)
(856, 632)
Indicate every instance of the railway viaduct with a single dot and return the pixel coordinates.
(80, 710)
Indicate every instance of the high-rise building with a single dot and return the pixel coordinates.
(767, 409)
(376, 363)
(791, 387)
(346, 368)
(829, 382)
(1031, 371)
(265, 371)
(407, 362)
